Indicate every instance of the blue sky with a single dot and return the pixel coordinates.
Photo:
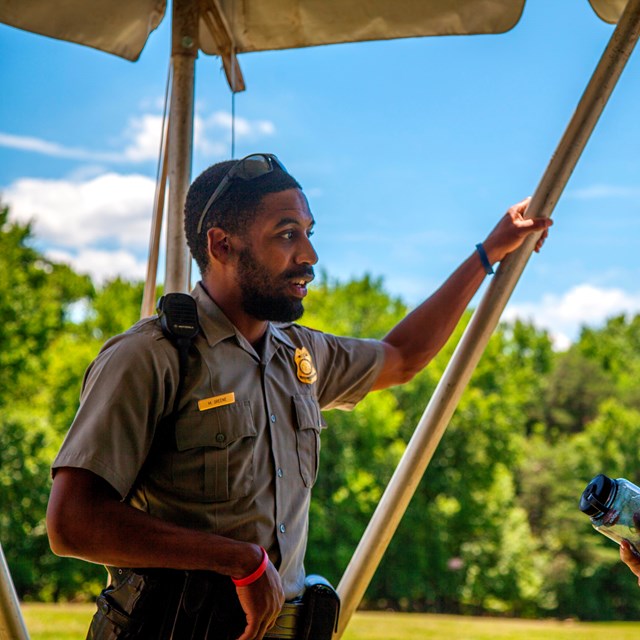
(409, 151)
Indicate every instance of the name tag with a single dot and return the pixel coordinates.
(216, 401)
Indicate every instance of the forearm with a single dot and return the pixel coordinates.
(417, 338)
(413, 343)
(97, 527)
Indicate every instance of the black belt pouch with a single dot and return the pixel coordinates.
(159, 604)
(136, 605)
(320, 611)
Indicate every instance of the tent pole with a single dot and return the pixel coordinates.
(183, 56)
(149, 294)
(11, 622)
(442, 405)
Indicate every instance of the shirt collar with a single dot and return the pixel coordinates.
(216, 327)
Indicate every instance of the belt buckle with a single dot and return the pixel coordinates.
(286, 625)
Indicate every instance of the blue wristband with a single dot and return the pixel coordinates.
(484, 258)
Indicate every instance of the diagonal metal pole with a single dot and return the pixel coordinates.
(443, 403)
(12, 625)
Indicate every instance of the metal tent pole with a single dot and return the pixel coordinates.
(12, 625)
(183, 56)
(442, 405)
(149, 293)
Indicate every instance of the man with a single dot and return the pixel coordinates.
(223, 484)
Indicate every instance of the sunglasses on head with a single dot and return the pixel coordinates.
(249, 168)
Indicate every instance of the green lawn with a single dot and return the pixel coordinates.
(70, 622)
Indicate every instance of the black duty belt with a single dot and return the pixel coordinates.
(169, 604)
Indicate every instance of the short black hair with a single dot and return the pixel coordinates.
(234, 211)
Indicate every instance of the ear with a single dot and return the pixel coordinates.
(218, 244)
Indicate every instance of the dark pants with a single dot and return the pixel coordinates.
(167, 605)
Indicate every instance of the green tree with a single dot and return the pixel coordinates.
(451, 514)
(575, 388)
(115, 307)
(361, 448)
(36, 301)
(615, 348)
(36, 297)
(591, 427)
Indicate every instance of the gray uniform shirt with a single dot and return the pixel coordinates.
(243, 454)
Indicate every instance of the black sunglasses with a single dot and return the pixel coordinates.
(249, 168)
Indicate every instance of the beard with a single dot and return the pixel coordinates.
(259, 290)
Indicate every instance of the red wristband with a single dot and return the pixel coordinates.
(252, 577)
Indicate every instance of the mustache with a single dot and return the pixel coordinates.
(303, 272)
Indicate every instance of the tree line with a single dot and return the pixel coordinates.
(494, 527)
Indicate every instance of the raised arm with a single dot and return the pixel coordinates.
(416, 339)
(86, 519)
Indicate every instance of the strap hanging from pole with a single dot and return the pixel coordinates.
(442, 405)
(148, 298)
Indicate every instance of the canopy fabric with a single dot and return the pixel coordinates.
(121, 27)
(261, 25)
(289, 24)
(609, 10)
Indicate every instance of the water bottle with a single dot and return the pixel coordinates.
(613, 506)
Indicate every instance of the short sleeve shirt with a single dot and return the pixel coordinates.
(241, 456)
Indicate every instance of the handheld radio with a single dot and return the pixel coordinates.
(178, 315)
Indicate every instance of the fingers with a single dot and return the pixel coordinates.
(255, 630)
(257, 627)
(630, 557)
(541, 240)
(520, 208)
(262, 602)
(518, 211)
(628, 554)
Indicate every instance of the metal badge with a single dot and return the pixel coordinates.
(306, 372)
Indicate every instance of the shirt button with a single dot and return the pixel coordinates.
(280, 473)
(220, 437)
(282, 528)
(273, 417)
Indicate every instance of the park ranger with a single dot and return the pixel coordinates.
(200, 479)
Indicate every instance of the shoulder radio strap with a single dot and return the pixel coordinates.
(178, 315)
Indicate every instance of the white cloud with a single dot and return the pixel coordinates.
(212, 133)
(203, 143)
(244, 128)
(53, 149)
(110, 209)
(102, 265)
(145, 132)
(142, 139)
(564, 315)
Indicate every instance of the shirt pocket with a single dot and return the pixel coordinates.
(215, 449)
(308, 423)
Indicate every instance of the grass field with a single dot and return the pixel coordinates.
(70, 622)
